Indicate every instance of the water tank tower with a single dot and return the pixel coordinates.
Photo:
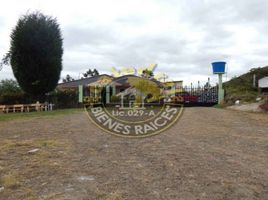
(219, 68)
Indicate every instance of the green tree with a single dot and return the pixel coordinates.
(9, 86)
(147, 73)
(68, 78)
(91, 73)
(95, 72)
(36, 53)
(11, 93)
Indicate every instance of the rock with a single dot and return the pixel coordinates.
(43, 184)
(1, 189)
(86, 178)
(251, 107)
(258, 99)
(237, 102)
(33, 150)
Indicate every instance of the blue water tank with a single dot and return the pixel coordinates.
(218, 67)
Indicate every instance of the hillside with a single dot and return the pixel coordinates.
(241, 87)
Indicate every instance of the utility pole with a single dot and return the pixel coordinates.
(254, 80)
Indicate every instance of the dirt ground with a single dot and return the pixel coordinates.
(209, 154)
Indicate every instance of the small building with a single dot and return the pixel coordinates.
(263, 84)
(106, 87)
(89, 86)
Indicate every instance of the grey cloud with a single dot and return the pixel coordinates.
(250, 11)
(90, 35)
(108, 44)
(206, 13)
(171, 52)
(131, 20)
(107, 48)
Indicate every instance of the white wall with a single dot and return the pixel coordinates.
(263, 83)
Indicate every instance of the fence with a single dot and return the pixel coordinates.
(187, 95)
(190, 95)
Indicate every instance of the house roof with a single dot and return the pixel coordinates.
(173, 81)
(84, 81)
(124, 79)
(115, 81)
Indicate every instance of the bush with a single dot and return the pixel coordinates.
(264, 106)
(243, 96)
(11, 93)
(90, 100)
(64, 99)
(19, 98)
(115, 99)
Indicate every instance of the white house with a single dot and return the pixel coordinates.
(263, 84)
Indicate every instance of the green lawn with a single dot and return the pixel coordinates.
(12, 116)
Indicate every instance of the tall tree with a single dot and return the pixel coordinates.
(68, 78)
(36, 53)
(95, 72)
(91, 73)
(9, 86)
(147, 73)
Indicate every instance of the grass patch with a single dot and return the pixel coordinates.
(11, 145)
(29, 194)
(115, 196)
(10, 181)
(48, 143)
(241, 88)
(13, 116)
(22, 148)
(218, 106)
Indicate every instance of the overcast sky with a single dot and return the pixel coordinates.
(182, 36)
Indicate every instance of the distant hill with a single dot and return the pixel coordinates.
(241, 87)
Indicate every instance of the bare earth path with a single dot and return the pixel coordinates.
(209, 154)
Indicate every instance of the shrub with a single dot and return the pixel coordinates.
(115, 99)
(11, 93)
(264, 106)
(64, 99)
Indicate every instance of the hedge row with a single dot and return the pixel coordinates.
(61, 99)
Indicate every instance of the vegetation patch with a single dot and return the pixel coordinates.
(54, 113)
(115, 196)
(264, 106)
(10, 181)
(241, 88)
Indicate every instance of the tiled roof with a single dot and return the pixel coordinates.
(84, 81)
(123, 79)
